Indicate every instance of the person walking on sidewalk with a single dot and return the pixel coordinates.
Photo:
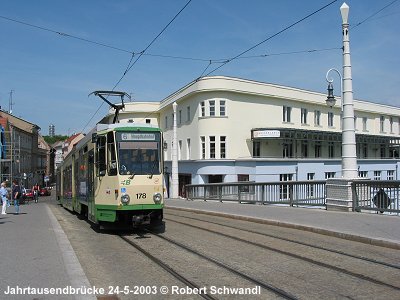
(16, 195)
(4, 198)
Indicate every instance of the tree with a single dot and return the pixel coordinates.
(53, 139)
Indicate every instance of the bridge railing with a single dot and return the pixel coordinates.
(376, 195)
(293, 193)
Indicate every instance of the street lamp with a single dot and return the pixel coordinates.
(349, 153)
(175, 177)
(330, 100)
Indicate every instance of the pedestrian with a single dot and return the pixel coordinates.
(16, 195)
(35, 190)
(4, 197)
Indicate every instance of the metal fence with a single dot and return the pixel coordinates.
(293, 193)
(376, 195)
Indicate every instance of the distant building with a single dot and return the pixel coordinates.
(22, 158)
(43, 162)
(52, 130)
(58, 153)
(70, 143)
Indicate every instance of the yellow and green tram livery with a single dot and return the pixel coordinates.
(114, 175)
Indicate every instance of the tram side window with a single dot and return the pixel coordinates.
(101, 156)
(112, 160)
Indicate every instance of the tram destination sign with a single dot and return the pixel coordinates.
(138, 136)
(266, 134)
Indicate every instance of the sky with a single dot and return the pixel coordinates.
(51, 60)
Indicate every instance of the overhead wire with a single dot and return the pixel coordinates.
(374, 14)
(270, 37)
(130, 64)
(66, 34)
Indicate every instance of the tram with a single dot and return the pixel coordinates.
(113, 176)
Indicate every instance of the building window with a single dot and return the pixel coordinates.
(212, 146)
(188, 113)
(330, 119)
(330, 175)
(331, 150)
(256, 149)
(382, 123)
(363, 174)
(287, 149)
(211, 104)
(365, 150)
(188, 149)
(310, 187)
(172, 119)
(241, 178)
(202, 109)
(222, 108)
(304, 113)
(166, 122)
(179, 150)
(287, 110)
(383, 151)
(317, 149)
(180, 116)
(390, 175)
(304, 149)
(391, 124)
(284, 189)
(365, 127)
(355, 123)
(203, 147)
(222, 143)
(377, 175)
(317, 118)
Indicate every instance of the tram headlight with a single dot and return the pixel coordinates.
(157, 198)
(125, 199)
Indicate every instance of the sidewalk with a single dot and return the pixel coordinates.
(380, 230)
(35, 254)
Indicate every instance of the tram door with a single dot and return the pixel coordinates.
(90, 187)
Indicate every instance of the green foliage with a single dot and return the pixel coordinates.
(53, 139)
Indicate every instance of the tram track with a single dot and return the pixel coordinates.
(293, 255)
(279, 292)
(361, 258)
(166, 267)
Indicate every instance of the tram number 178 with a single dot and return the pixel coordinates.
(141, 196)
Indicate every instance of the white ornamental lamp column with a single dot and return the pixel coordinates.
(338, 190)
(175, 178)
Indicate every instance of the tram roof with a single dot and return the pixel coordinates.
(104, 127)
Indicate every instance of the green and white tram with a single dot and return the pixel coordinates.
(114, 175)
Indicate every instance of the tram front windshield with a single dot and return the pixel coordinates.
(138, 154)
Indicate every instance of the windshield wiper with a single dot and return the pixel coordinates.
(153, 168)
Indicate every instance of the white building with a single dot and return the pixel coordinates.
(231, 129)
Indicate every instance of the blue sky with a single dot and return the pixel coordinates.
(51, 75)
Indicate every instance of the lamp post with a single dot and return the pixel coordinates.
(331, 101)
(175, 178)
(349, 153)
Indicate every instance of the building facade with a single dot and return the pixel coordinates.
(25, 154)
(231, 129)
